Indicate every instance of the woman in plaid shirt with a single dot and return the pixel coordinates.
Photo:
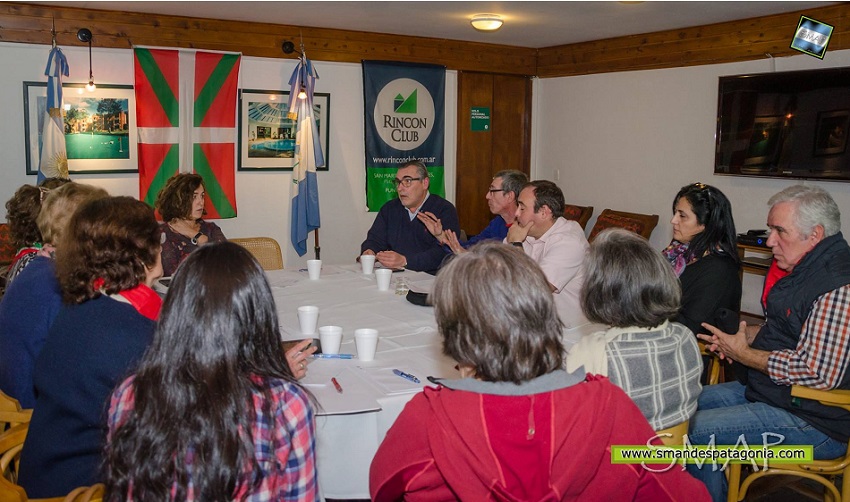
(213, 412)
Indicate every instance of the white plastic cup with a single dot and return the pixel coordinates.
(308, 318)
(314, 269)
(366, 340)
(367, 263)
(330, 337)
(384, 276)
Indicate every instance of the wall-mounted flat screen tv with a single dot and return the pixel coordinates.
(784, 125)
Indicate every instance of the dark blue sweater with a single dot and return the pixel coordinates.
(393, 231)
(90, 348)
(26, 313)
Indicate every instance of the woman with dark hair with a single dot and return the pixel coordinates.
(108, 258)
(33, 300)
(629, 287)
(181, 205)
(704, 255)
(213, 412)
(516, 426)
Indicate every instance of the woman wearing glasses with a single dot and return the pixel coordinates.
(181, 205)
(704, 255)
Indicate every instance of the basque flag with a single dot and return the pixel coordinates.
(186, 113)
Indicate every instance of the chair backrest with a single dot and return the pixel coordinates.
(579, 214)
(11, 413)
(672, 436)
(826, 472)
(265, 249)
(641, 224)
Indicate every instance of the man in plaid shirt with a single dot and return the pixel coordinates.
(805, 340)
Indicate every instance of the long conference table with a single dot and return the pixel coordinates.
(351, 425)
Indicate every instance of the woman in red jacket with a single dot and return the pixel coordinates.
(516, 426)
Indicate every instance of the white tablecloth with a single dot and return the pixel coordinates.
(346, 441)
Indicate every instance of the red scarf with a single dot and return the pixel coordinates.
(774, 273)
(144, 300)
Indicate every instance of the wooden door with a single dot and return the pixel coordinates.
(505, 145)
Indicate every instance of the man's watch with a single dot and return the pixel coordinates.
(195, 238)
(517, 244)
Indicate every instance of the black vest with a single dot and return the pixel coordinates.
(789, 303)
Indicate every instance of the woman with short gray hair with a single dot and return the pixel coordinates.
(515, 425)
(631, 288)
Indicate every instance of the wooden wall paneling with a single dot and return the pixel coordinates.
(511, 123)
(28, 23)
(474, 152)
(742, 40)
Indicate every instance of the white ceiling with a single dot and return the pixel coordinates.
(527, 24)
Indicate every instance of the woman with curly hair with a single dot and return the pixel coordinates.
(181, 205)
(21, 213)
(33, 300)
(233, 423)
(109, 256)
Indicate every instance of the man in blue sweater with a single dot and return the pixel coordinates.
(502, 196)
(397, 237)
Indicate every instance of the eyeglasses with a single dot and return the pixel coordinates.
(406, 181)
(494, 190)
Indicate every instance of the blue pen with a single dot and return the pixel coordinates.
(333, 356)
(408, 376)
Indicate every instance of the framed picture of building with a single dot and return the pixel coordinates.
(267, 135)
(100, 127)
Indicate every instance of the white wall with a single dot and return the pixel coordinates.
(630, 140)
(262, 198)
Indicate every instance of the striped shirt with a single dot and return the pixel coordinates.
(822, 356)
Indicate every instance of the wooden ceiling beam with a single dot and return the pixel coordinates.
(742, 40)
(31, 23)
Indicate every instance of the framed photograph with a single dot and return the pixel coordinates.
(764, 141)
(267, 136)
(831, 132)
(100, 127)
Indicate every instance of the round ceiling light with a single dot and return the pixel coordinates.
(486, 22)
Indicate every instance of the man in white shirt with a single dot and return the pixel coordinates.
(558, 245)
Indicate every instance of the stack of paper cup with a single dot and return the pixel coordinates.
(366, 341)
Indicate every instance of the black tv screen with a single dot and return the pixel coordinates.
(784, 125)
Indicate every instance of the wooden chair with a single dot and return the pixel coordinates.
(11, 413)
(641, 224)
(673, 436)
(825, 472)
(265, 249)
(715, 365)
(579, 214)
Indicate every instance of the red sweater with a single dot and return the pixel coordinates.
(455, 444)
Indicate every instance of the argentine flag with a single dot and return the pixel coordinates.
(308, 156)
(53, 162)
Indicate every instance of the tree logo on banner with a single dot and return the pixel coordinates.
(404, 123)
